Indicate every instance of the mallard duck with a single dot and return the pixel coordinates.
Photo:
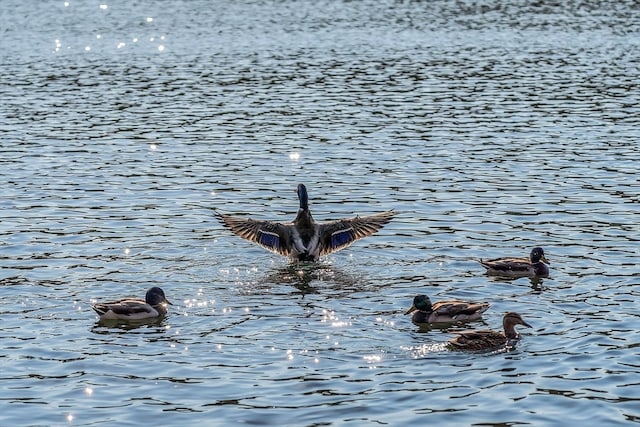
(153, 305)
(519, 267)
(444, 311)
(304, 239)
(490, 340)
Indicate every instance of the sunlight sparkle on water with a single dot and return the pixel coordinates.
(161, 48)
(104, 6)
(330, 316)
(385, 321)
(425, 349)
(66, 4)
(88, 391)
(372, 358)
(190, 303)
(149, 19)
(294, 156)
(340, 324)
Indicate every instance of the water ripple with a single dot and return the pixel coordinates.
(489, 127)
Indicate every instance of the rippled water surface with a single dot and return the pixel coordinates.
(490, 127)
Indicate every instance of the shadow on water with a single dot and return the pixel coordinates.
(104, 327)
(307, 276)
(449, 327)
(537, 283)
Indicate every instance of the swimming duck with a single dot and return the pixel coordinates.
(444, 311)
(304, 239)
(490, 340)
(154, 305)
(519, 267)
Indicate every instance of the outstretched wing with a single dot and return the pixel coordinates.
(339, 234)
(272, 236)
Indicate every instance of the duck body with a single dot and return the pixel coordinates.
(304, 239)
(484, 340)
(534, 266)
(451, 311)
(132, 309)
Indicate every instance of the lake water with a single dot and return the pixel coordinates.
(490, 127)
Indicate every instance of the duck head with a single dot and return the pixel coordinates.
(509, 321)
(420, 303)
(155, 296)
(537, 255)
(304, 220)
(303, 197)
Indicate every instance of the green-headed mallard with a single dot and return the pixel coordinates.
(304, 239)
(154, 305)
(444, 311)
(534, 266)
(487, 339)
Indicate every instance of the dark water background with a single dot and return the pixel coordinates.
(490, 127)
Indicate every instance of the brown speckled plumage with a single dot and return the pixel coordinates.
(534, 266)
(477, 340)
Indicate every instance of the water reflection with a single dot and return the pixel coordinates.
(306, 276)
(105, 327)
(445, 327)
(537, 283)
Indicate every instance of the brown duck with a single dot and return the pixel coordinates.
(490, 340)
(534, 266)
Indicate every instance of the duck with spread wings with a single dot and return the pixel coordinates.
(304, 239)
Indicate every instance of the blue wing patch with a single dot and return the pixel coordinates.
(268, 239)
(341, 238)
